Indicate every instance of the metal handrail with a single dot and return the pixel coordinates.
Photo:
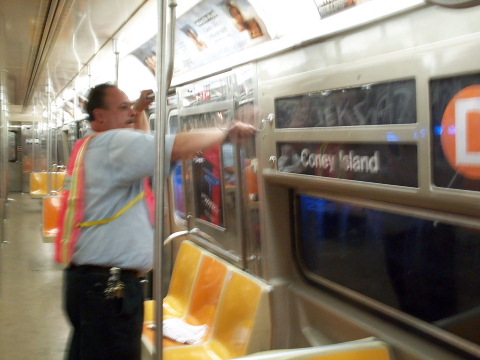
(174, 236)
(195, 231)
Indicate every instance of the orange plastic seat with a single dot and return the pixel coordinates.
(241, 327)
(203, 304)
(181, 284)
(50, 217)
(206, 290)
(148, 335)
(39, 183)
(177, 300)
(149, 311)
(205, 296)
(58, 180)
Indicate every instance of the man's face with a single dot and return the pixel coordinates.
(118, 112)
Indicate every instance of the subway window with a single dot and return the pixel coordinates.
(422, 267)
(177, 175)
(385, 103)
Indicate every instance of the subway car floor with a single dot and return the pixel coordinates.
(32, 322)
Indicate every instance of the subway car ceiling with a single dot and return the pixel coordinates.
(57, 49)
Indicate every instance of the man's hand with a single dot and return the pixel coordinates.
(240, 132)
(144, 101)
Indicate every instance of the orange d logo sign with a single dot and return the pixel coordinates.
(461, 132)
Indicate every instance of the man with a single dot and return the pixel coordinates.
(107, 320)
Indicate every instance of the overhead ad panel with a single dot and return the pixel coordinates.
(209, 31)
(216, 29)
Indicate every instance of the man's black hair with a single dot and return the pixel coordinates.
(95, 99)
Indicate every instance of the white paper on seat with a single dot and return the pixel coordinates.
(182, 332)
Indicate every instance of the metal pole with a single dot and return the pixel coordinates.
(160, 118)
(49, 138)
(89, 75)
(117, 59)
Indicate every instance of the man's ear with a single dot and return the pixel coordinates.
(98, 120)
(98, 115)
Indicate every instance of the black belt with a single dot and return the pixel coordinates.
(102, 270)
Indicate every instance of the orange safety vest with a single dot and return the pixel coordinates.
(72, 205)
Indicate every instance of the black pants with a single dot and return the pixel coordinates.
(103, 329)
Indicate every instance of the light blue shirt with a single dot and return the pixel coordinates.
(116, 163)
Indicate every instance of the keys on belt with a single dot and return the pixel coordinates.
(115, 287)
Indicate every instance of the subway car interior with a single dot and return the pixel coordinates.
(347, 228)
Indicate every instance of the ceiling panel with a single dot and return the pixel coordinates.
(55, 39)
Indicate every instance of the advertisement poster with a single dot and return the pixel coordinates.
(385, 103)
(208, 189)
(209, 31)
(212, 30)
(393, 164)
(455, 128)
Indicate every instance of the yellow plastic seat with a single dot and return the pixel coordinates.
(241, 327)
(149, 311)
(203, 304)
(148, 335)
(58, 180)
(181, 284)
(206, 292)
(39, 183)
(205, 296)
(50, 216)
(177, 300)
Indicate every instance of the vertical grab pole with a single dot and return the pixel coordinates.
(49, 137)
(160, 118)
(117, 59)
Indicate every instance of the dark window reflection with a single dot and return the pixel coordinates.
(373, 104)
(425, 268)
(178, 192)
(177, 175)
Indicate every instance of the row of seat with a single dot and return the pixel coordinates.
(206, 291)
(50, 217)
(39, 183)
(50, 195)
(232, 307)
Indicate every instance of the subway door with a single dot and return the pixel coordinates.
(14, 172)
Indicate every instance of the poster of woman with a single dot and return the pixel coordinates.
(208, 32)
(212, 30)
